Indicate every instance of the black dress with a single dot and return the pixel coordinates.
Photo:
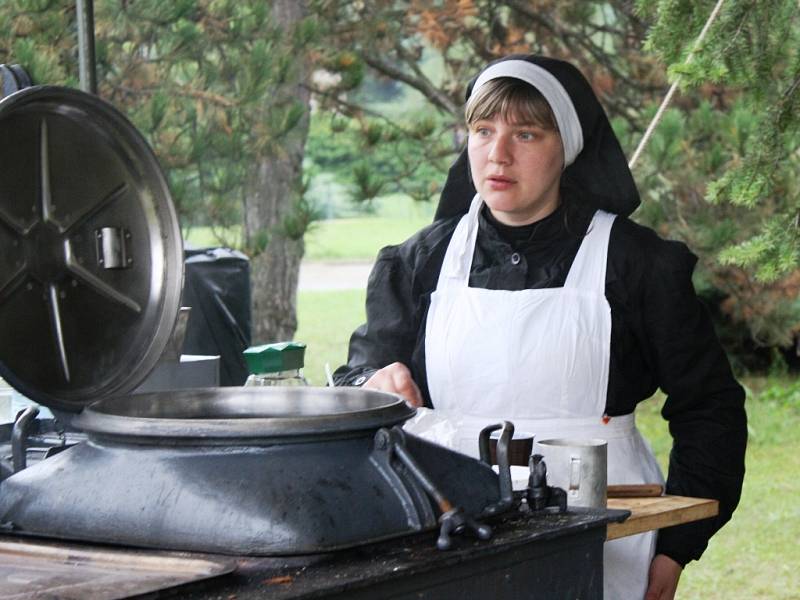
(661, 337)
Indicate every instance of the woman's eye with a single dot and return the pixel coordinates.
(482, 132)
(526, 136)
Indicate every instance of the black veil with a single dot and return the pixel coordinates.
(599, 176)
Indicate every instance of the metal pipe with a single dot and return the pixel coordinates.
(19, 437)
(87, 71)
(405, 457)
(503, 464)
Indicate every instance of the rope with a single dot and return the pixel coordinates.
(673, 88)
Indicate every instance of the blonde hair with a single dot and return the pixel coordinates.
(514, 100)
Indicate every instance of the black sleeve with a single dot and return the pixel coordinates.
(390, 333)
(705, 404)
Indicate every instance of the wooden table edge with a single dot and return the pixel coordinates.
(695, 510)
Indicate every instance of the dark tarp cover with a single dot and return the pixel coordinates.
(217, 287)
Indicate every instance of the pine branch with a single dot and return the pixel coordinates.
(597, 54)
(355, 109)
(421, 84)
(185, 92)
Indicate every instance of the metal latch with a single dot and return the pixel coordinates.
(113, 250)
(453, 519)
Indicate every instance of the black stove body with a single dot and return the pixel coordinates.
(542, 556)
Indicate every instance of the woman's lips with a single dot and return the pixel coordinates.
(500, 182)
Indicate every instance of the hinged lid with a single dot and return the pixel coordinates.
(91, 267)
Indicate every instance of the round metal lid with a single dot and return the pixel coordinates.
(91, 267)
(256, 414)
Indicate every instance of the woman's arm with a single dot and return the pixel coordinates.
(398, 294)
(381, 348)
(705, 404)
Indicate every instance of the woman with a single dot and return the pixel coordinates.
(546, 306)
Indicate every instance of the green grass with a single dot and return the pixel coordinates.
(354, 238)
(325, 322)
(755, 556)
(207, 237)
(357, 238)
(393, 220)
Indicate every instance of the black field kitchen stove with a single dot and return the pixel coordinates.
(309, 492)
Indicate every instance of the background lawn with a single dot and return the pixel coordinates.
(325, 322)
(358, 236)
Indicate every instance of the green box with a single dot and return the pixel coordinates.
(274, 358)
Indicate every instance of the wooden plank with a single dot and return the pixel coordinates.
(33, 569)
(648, 514)
(636, 490)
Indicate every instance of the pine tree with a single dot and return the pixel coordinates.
(723, 172)
(720, 172)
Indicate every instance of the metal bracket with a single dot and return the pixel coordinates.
(453, 519)
(415, 503)
(113, 248)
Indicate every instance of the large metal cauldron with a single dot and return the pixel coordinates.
(242, 471)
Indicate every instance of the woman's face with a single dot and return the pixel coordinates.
(516, 168)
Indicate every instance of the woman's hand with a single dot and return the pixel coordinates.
(396, 378)
(663, 578)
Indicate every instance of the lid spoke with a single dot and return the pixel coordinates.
(58, 331)
(45, 197)
(113, 195)
(11, 225)
(100, 286)
(16, 280)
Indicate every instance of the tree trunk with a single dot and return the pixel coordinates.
(273, 190)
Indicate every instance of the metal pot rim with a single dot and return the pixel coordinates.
(256, 413)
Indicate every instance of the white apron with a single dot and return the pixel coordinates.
(540, 359)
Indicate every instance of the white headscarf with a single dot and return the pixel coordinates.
(569, 125)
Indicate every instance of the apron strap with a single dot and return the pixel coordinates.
(588, 271)
(458, 259)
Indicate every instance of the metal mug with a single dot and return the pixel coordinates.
(579, 466)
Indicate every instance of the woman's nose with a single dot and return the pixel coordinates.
(500, 152)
